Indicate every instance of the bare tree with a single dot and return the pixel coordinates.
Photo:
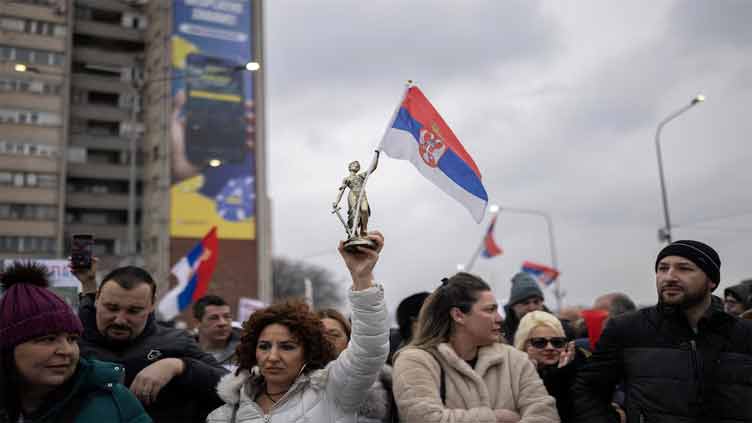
(288, 277)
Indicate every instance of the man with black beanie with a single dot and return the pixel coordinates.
(683, 360)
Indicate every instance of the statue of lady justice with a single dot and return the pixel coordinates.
(358, 210)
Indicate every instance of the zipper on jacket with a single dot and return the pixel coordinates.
(697, 371)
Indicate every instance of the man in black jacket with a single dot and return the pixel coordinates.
(683, 360)
(164, 367)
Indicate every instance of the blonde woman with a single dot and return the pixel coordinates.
(456, 370)
(541, 336)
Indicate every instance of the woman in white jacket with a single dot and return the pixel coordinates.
(283, 375)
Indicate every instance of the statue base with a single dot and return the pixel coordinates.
(352, 244)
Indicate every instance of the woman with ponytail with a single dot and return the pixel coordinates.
(457, 369)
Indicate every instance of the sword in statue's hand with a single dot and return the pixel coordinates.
(335, 210)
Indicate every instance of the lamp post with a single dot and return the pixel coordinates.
(664, 234)
(558, 293)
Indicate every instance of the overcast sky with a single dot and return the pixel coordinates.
(557, 102)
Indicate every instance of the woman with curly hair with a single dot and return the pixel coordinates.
(288, 370)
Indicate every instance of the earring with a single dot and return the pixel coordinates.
(301, 370)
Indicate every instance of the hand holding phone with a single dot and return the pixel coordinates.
(81, 251)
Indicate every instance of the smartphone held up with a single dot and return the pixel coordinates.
(82, 247)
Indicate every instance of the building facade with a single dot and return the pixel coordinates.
(84, 139)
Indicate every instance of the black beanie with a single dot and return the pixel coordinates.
(698, 253)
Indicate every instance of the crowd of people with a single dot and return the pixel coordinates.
(454, 358)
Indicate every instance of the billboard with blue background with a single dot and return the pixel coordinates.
(212, 120)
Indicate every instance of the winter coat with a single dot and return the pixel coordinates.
(503, 378)
(378, 407)
(670, 373)
(187, 397)
(328, 395)
(559, 381)
(226, 357)
(93, 395)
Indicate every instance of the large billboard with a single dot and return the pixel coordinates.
(212, 125)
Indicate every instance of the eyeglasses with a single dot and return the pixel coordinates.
(556, 342)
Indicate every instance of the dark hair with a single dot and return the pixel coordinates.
(621, 304)
(435, 323)
(302, 323)
(129, 277)
(330, 313)
(407, 312)
(199, 307)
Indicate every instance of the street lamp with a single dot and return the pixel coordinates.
(664, 234)
(558, 293)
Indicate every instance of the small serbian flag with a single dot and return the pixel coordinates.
(544, 274)
(490, 248)
(193, 273)
(417, 133)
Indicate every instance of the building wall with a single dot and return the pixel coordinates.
(32, 126)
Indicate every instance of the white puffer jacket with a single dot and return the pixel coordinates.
(329, 395)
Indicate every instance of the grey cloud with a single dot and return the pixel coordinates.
(364, 42)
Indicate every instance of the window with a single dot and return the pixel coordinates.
(27, 244)
(28, 179)
(32, 26)
(27, 149)
(32, 56)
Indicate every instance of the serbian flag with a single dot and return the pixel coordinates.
(418, 133)
(544, 274)
(193, 273)
(490, 248)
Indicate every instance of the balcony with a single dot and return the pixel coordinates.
(100, 112)
(101, 142)
(27, 163)
(29, 195)
(35, 41)
(48, 103)
(107, 30)
(30, 11)
(101, 171)
(104, 57)
(38, 228)
(45, 135)
(87, 200)
(101, 83)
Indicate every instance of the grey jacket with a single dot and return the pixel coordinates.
(329, 395)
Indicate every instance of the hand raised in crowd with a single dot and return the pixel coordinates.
(506, 416)
(361, 263)
(567, 355)
(149, 381)
(87, 277)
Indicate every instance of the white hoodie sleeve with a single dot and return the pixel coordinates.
(356, 369)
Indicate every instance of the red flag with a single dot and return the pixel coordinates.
(491, 249)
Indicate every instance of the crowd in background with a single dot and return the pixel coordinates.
(456, 355)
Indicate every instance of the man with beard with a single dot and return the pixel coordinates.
(164, 367)
(683, 360)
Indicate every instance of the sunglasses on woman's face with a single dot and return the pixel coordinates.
(556, 342)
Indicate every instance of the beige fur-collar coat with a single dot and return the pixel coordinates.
(503, 378)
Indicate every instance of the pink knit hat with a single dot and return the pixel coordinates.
(28, 309)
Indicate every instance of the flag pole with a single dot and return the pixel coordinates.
(475, 255)
(375, 159)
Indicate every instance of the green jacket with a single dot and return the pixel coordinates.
(96, 391)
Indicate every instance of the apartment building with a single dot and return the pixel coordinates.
(85, 107)
(69, 120)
